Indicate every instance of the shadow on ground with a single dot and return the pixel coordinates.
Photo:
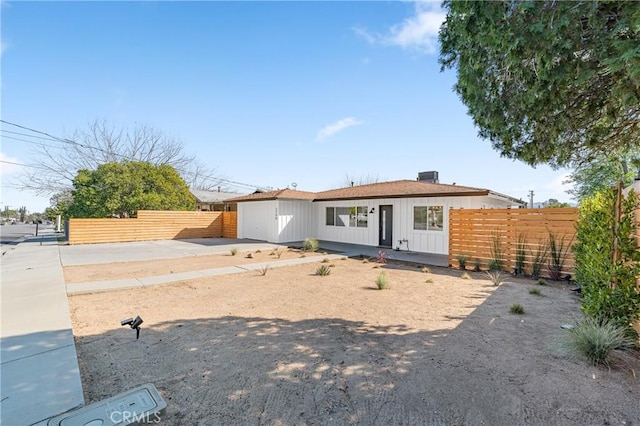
(493, 368)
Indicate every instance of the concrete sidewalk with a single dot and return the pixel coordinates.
(39, 367)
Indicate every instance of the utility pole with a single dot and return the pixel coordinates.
(531, 197)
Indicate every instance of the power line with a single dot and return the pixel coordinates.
(44, 145)
(21, 164)
(72, 142)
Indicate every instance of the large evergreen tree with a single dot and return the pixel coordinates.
(554, 82)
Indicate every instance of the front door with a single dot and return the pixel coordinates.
(386, 226)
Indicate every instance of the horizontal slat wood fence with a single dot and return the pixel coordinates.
(154, 225)
(473, 233)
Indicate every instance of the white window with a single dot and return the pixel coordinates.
(352, 217)
(428, 218)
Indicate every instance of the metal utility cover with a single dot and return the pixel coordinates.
(136, 406)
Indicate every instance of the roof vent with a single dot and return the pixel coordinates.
(429, 177)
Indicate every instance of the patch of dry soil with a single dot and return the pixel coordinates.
(291, 347)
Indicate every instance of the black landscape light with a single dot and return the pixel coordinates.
(134, 323)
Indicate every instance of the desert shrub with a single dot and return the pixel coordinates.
(278, 253)
(332, 265)
(429, 281)
(517, 309)
(325, 260)
(426, 270)
(595, 339)
(310, 244)
(303, 255)
(365, 260)
(497, 253)
(495, 277)
(258, 251)
(535, 291)
(521, 254)
(249, 256)
(608, 288)
(476, 265)
(376, 266)
(462, 261)
(539, 258)
(382, 256)
(465, 276)
(323, 270)
(558, 251)
(263, 270)
(542, 282)
(382, 282)
(234, 251)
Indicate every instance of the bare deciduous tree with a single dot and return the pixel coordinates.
(55, 166)
(350, 180)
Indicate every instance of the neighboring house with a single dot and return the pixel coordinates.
(213, 200)
(404, 214)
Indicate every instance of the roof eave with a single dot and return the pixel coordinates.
(377, 197)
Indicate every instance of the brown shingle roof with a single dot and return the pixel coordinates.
(394, 189)
(397, 189)
(275, 195)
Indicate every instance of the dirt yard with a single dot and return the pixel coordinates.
(291, 347)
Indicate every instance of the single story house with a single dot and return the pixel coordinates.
(213, 200)
(405, 214)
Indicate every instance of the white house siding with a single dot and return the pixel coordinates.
(295, 220)
(426, 241)
(257, 220)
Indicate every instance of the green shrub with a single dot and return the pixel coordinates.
(539, 258)
(558, 251)
(496, 277)
(462, 261)
(476, 265)
(535, 291)
(497, 253)
(542, 282)
(595, 339)
(325, 260)
(258, 251)
(608, 287)
(234, 251)
(429, 281)
(310, 244)
(323, 270)
(521, 254)
(517, 309)
(382, 282)
(426, 270)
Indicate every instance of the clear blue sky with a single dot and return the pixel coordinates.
(268, 93)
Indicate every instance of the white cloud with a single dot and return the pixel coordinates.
(419, 32)
(333, 128)
(6, 168)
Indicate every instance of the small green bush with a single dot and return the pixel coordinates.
(476, 265)
(539, 258)
(426, 270)
(325, 260)
(382, 282)
(429, 281)
(497, 253)
(323, 270)
(234, 251)
(558, 252)
(542, 282)
(521, 254)
(258, 251)
(310, 244)
(535, 291)
(517, 309)
(462, 261)
(596, 339)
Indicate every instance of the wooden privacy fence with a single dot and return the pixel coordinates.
(477, 233)
(154, 225)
